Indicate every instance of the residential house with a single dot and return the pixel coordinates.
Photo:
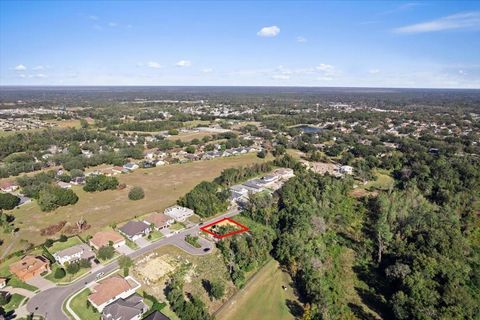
(257, 184)
(269, 179)
(149, 156)
(284, 173)
(64, 185)
(78, 181)
(134, 230)
(156, 315)
(117, 170)
(74, 254)
(8, 186)
(179, 213)
(346, 170)
(160, 163)
(29, 267)
(131, 166)
(159, 220)
(111, 289)
(240, 193)
(87, 153)
(130, 308)
(105, 238)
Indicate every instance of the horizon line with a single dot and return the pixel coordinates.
(229, 86)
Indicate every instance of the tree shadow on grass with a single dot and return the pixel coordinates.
(295, 308)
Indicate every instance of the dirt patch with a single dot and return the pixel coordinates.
(152, 268)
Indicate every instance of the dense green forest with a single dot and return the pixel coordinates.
(416, 246)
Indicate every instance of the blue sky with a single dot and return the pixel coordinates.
(271, 43)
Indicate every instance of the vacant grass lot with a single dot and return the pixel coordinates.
(162, 186)
(263, 297)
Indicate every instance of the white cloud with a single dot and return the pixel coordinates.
(271, 31)
(112, 24)
(207, 70)
(40, 67)
(301, 39)
(400, 8)
(374, 71)
(467, 20)
(93, 17)
(280, 77)
(326, 68)
(152, 64)
(184, 63)
(20, 67)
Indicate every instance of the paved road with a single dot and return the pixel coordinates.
(49, 303)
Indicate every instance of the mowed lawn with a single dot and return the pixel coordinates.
(262, 298)
(162, 186)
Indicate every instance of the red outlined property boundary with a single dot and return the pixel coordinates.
(242, 228)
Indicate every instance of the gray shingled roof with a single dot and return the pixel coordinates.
(132, 228)
(87, 251)
(125, 308)
(157, 315)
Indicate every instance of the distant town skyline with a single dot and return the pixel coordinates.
(432, 44)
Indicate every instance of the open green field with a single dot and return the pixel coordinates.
(79, 306)
(262, 297)
(162, 185)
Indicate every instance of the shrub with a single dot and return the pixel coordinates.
(48, 243)
(136, 193)
(59, 273)
(216, 289)
(73, 268)
(8, 201)
(84, 263)
(4, 298)
(106, 252)
(100, 183)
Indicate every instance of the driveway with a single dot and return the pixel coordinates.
(166, 232)
(41, 283)
(124, 249)
(142, 242)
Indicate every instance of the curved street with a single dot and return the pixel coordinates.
(49, 303)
